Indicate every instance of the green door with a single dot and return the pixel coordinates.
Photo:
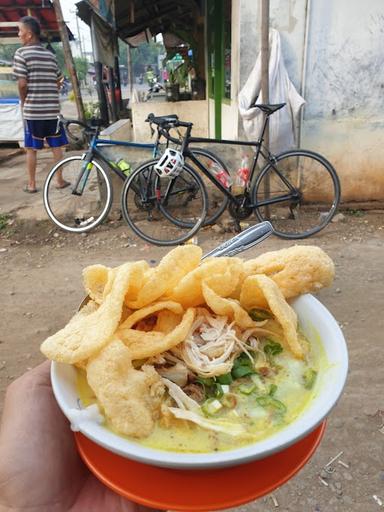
(219, 56)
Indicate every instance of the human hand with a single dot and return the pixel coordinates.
(40, 469)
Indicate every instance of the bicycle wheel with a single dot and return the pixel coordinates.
(304, 191)
(217, 201)
(81, 211)
(142, 201)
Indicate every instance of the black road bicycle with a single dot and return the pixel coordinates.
(298, 191)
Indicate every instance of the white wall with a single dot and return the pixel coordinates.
(340, 73)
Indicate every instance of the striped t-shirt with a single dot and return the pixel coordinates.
(39, 67)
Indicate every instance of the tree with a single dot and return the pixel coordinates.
(7, 51)
(59, 53)
(81, 66)
(142, 56)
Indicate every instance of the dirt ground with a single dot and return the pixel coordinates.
(40, 275)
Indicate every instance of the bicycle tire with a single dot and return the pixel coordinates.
(71, 212)
(141, 204)
(217, 201)
(317, 199)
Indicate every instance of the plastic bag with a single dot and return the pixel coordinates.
(281, 90)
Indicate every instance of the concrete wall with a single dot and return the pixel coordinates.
(333, 51)
(194, 111)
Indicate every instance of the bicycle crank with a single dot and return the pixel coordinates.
(238, 210)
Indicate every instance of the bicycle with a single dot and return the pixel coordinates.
(87, 202)
(298, 191)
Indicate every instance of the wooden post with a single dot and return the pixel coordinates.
(69, 59)
(265, 82)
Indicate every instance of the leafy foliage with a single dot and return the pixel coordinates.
(4, 218)
(144, 55)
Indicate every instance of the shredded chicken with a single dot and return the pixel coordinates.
(211, 346)
(208, 351)
(189, 409)
(232, 429)
(178, 373)
(181, 398)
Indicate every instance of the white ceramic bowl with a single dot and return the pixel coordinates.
(316, 322)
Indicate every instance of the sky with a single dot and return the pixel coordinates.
(69, 13)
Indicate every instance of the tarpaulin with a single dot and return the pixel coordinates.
(11, 122)
(104, 41)
(282, 124)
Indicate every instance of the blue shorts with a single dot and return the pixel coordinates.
(35, 132)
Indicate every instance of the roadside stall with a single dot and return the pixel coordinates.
(179, 77)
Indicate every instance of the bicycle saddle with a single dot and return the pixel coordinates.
(171, 118)
(268, 109)
(95, 122)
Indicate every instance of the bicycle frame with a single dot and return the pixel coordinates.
(244, 199)
(93, 151)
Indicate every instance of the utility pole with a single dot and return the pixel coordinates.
(69, 59)
(265, 58)
(129, 73)
(79, 35)
(265, 82)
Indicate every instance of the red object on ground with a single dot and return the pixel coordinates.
(197, 490)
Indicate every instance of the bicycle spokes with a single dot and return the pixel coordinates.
(163, 210)
(85, 203)
(297, 192)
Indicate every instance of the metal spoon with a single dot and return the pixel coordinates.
(243, 241)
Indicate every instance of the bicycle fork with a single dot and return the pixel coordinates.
(86, 168)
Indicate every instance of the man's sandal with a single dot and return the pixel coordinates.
(64, 185)
(29, 190)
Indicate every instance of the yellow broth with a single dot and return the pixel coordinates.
(260, 422)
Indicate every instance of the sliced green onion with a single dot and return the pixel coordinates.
(247, 389)
(261, 387)
(258, 314)
(218, 390)
(272, 348)
(268, 401)
(309, 378)
(211, 406)
(272, 390)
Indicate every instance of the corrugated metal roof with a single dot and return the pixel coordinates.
(13, 10)
(131, 17)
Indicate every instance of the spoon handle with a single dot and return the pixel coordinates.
(243, 241)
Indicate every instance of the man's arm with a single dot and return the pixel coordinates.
(23, 88)
(20, 71)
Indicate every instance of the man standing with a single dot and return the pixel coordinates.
(38, 80)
